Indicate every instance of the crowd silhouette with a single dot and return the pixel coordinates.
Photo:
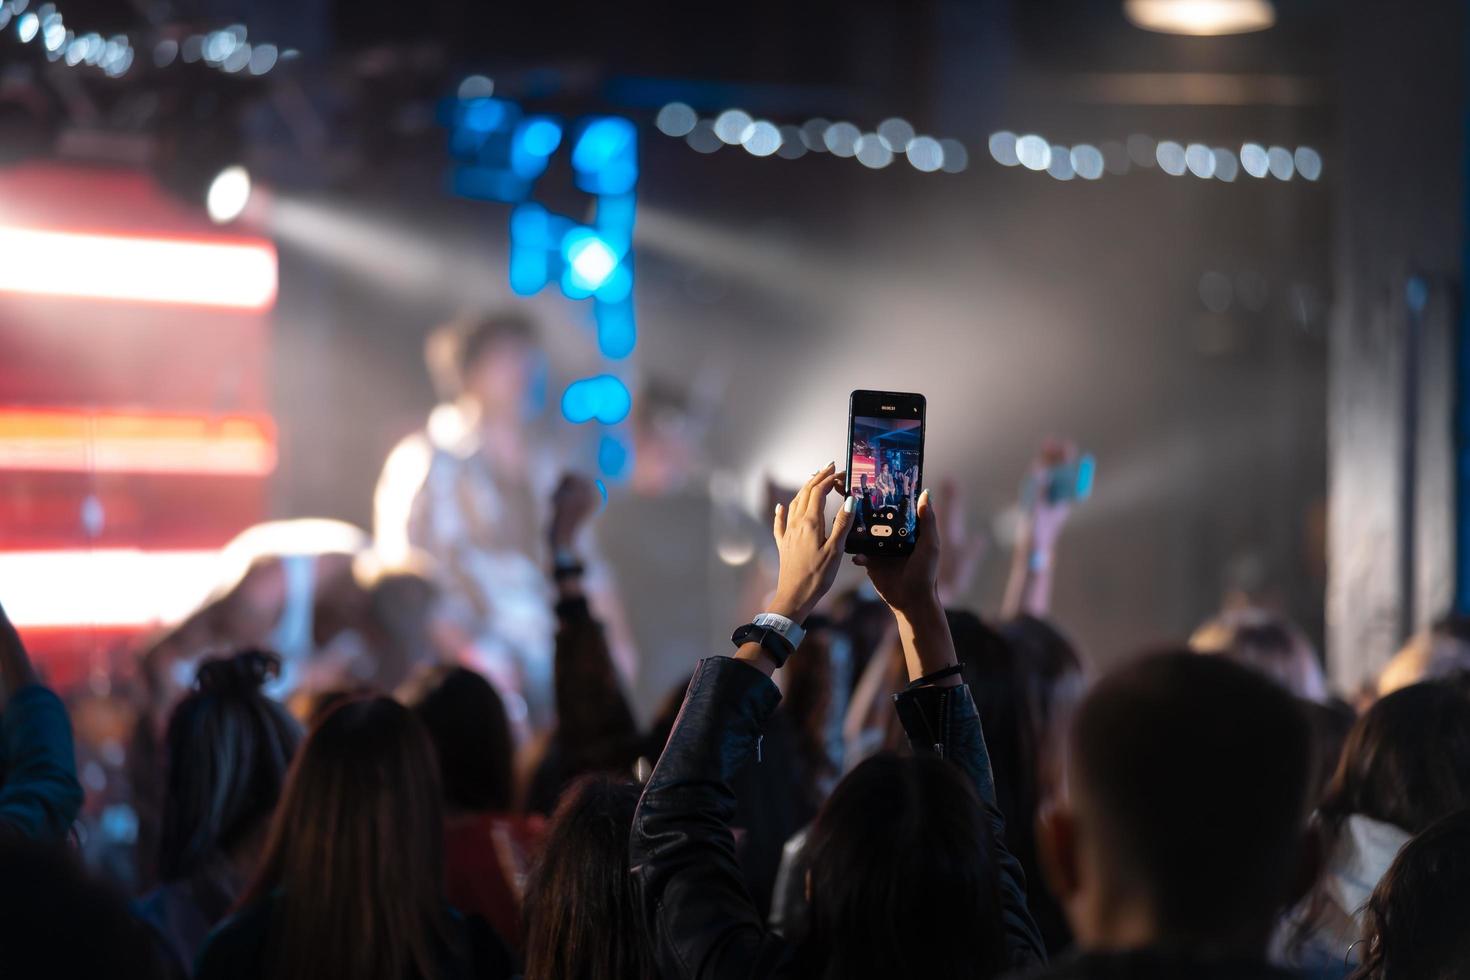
(912, 790)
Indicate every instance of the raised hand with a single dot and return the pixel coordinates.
(910, 582)
(810, 553)
(575, 499)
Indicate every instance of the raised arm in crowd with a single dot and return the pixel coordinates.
(909, 874)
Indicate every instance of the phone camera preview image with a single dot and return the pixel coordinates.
(883, 477)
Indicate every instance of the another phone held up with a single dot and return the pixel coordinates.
(885, 470)
(1065, 481)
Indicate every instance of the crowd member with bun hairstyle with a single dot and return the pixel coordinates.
(227, 749)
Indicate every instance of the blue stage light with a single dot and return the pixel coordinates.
(541, 135)
(528, 270)
(618, 286)
(603, 398)
(483, 115)
(616, 333)
(606, 156)
(602, 141)
(613, 456)
(589, 259)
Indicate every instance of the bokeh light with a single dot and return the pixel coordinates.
(1003, 148)
(1170, 156)
(676, 119)
(842, 138)
(1033, 152)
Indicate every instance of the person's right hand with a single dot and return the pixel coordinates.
(910, 583)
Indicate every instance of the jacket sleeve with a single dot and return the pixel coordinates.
(40, 796)
(695, 905)
(943, 721)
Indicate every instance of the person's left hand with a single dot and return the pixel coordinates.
(810, 554)
(575, 499)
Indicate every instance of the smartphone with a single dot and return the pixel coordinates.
(885, 470)
(1068, 482)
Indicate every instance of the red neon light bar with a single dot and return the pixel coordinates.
(79, 441)
(234, 275)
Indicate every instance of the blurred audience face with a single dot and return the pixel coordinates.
(582, 913)
(1188, 800)
(1416, 918)
(902, 849)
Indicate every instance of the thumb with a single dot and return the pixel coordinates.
(841, 524)
(928, 520)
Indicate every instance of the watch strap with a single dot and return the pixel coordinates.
(788, 628)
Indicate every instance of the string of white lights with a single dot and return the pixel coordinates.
(228, 50)
(896, 137)
(1140, 151)
(877, 149)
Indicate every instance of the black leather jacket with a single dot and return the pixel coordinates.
(702, 921)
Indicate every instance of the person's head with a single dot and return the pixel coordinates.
(1406, 761)
(1437, 652)
(399, 624)
(1051, 668)
(227, 748)
(582, 912)
(1188, 797)
(902, 875)
(355, 854)
(667, 438)
(1268, 643)
(491, 359)
(59, 923)
(466, 720)
(884, 470)
(1053, 677)
(1414, 925)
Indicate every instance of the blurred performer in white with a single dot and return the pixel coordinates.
(473, 491)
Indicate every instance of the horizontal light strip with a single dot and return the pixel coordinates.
(105, 588)
(147, 270)
(78, 441)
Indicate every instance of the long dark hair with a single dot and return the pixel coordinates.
(903, 876)
(466, 720)
(227, 748)
(355, 861)
(1414, 925)
(583, 920)
(1406, 761)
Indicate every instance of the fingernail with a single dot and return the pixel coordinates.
(847, 505)
(832, 465)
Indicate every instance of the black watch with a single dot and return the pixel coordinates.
(770, 639)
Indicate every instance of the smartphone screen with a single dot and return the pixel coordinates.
(885, 470)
